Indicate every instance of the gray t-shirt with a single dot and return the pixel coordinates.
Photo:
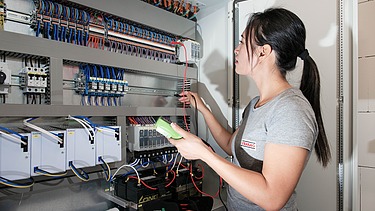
(286, 119)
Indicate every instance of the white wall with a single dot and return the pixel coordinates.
(317, 187)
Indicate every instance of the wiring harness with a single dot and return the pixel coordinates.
(186, 9)
(95, 29)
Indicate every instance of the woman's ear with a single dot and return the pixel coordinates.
(265, 50)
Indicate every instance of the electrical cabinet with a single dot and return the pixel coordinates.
(53, 68)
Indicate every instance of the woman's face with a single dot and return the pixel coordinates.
(244, 65)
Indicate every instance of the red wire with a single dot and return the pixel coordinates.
(174, 177)
(143, 183)
(202, 169)
(186, 125)
(152, 188)
(203, 193)
(184, 82)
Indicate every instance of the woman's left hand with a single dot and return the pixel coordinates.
(190, 146)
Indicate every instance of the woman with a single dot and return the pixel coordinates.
(279, 128)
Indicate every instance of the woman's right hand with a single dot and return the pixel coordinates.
(193, 99)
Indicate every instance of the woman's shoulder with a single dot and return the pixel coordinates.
(292, 96)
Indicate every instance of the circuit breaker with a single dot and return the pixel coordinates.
(33, 79)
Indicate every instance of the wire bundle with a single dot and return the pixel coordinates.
(62, 23)
(142, 120)
(183, 8)
(72, 25)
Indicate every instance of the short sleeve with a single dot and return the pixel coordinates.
(292, 123)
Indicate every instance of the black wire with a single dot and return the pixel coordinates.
(31, 62)
(4, 57)
(40, 98)
(196, 115)
(33, 101)
(27, 98)
(3, 98)
(221, 199)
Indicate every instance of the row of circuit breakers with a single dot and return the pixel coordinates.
(52, 153)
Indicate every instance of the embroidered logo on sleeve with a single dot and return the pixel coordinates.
(249, 144)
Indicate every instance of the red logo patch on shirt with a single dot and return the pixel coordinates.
(249, 144)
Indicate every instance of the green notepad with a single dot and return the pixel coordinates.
(164, 128)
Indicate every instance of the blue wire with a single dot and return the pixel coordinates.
(54, 32)
(70, 35)
(95, 71)
(12, 132)
(122, 74)
(88, 18)
(108, 73)
(126, 28)
(139, 32)
(42, 9)
(48, 28)
(84, 175)
(37, 28)
(87, 119)
(114, 100)
(79, 37)
(86, 37)
(101, 71)
(62, 34)
(109, 23)
(109, 101)
(116, 26)
(119, 74)
(122, 27)
(89, 98)
(9, 182)
(132, 171)
(113, 73)
(74, 36)
(104, 167)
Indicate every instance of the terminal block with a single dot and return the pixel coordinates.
(109, 85)
(192, 54)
